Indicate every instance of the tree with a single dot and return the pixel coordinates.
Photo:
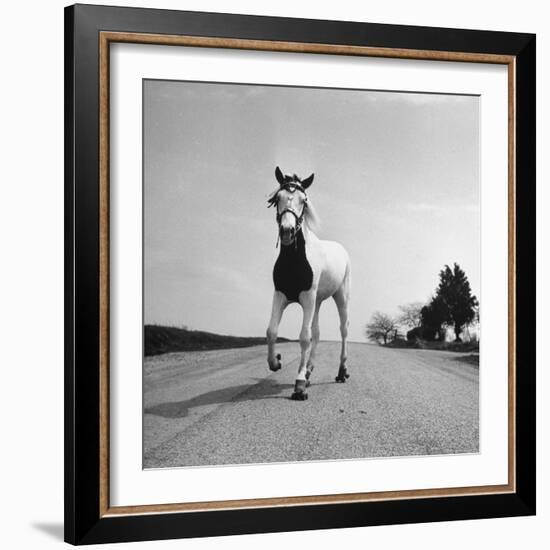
(381, 327)
(410, 315)
(458, 304)
(432, 318)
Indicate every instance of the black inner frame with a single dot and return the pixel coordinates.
(83, 524)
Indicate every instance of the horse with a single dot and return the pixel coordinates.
(308, 271)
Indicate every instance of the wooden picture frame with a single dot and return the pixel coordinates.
(89, 32)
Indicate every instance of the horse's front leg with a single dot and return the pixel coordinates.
(307, 301)
(279, 304)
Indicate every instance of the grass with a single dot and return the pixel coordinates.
(472, 359)
(459, 347)
(160, 339)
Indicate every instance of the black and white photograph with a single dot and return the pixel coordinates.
(311, 274)
(275, 275)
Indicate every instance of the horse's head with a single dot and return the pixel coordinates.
(291, 203)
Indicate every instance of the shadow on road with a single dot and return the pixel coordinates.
(264, 389)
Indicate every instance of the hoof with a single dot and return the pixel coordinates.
(342, 375)
(299, 396)
(276, 367)
(299, 391)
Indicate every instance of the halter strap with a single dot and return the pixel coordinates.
(299, 218)
(292, 186)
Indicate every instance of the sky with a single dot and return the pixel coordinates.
(396, 182)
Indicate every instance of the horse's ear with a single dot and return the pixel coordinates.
(308, 181)
(279, 176)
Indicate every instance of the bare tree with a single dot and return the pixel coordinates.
(410, 314)
(380, 327)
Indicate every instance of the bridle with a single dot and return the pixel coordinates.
(291, 186)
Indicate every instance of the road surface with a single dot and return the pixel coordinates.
(225, 407)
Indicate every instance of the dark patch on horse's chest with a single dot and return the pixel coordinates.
(292, 273)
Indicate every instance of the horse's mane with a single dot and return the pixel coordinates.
(311, 217)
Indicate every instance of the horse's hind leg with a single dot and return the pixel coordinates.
(341, 297)
(315, 335)
(279, 304)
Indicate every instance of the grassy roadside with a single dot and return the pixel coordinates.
(458, 347)
(159, 339)
(471, 348)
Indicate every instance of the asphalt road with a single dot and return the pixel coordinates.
(225, 407)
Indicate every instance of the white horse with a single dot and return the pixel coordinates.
(308, 271)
